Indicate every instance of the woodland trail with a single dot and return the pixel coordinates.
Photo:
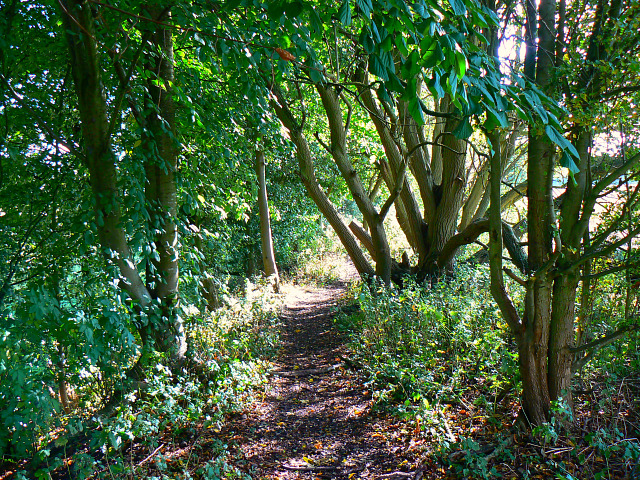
(315, 419)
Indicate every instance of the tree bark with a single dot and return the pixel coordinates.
(445, 222)
(79, 21)
(305, 161)
(268, 256)
(338, 150)
(534, 343)
(413, 227)
(161, 144)
(99, 157)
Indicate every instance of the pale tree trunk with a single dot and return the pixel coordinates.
(438, 130)
(407, 207)
(305, 160)
(476, 195)
(99, 158)
(375, 184)
(268, 256)
(414, 139)
(166, 331)
(161, 144)
(338, 150)
(445, 222)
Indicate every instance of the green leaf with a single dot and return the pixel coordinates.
(344, 13)
(433, 56)
(415, 109)
(421, 9)
(387, 43)
(366, 41)
(402, 45)
(276, 9)
(231, 4)
(435, 85)
(453, 83)
(464, 129)
(458, 7)
(293, 9)
(316, 23)
(410, 66)
(316, 76)
(365, 6)
(387, 61)
(500, 117)
(471, 107)
(567, 162)
(461, 64)
(377, 68)
(376, 33)
(395, 85)
(384, 95)
(491, 122)
(561, 141)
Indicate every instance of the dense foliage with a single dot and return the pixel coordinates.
(130, 230)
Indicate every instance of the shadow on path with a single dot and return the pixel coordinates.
(315, 420)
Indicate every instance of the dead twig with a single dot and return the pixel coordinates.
(310, 371)
(149, 457)
(310, 468)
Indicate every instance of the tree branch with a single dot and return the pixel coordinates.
(597, 344)
(41, 123)
(397, 189)
(324, 145)
(364, 238)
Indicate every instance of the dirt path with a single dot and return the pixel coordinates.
(315, 420)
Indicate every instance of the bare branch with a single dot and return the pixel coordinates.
(324, 145)
(515, 277)
(617, 173)
(397, 189)
(597, 344)
(364, 238)
(347, 122)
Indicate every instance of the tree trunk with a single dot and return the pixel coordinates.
(534, 344)
(305, 160)
(161, 143)
(338, 150)
(445, 222)
(410, 217)
(533, 371)
(268, 256)
(166, 327)
(98, 155)
(561, 337)
(476, 195)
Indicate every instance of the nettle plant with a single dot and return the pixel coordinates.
(432, 342)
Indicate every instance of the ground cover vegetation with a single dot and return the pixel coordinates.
(156, 156)
(443, 359)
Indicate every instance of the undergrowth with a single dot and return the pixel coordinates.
(422, 345)
(442, 358)
(171, 410)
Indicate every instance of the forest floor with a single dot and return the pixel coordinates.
(315, 419)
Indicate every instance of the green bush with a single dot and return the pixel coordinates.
(433, 341)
